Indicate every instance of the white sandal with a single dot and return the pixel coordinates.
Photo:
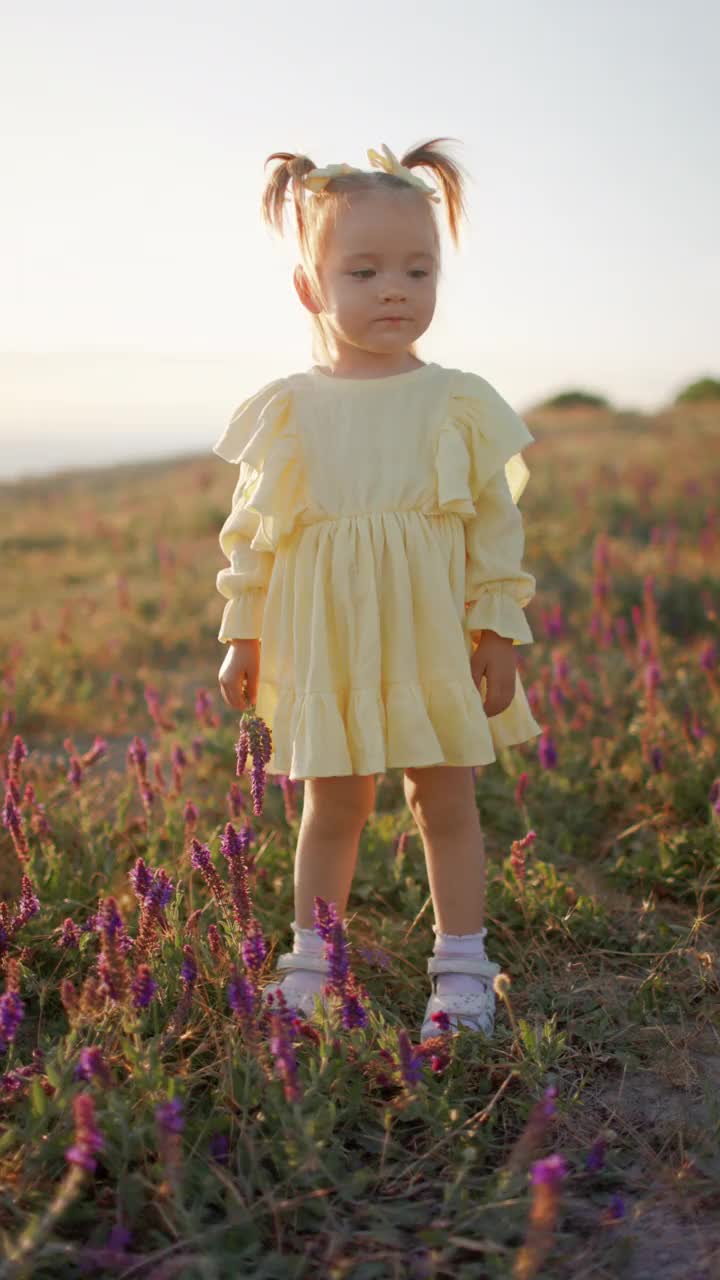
(293, 963)
(477, 1008)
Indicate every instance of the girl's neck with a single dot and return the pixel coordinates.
(380, 367)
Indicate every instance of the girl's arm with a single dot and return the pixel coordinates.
(497, 588)
(244, 582)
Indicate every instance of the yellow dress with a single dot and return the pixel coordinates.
(374, 532)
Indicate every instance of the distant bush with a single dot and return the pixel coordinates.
(575, 400)
(695, 392)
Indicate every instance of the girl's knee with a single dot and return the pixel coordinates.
(439, 795)
(341, 801)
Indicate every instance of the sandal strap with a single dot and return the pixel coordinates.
(315, 964)
(473, 1003)
(463, 964)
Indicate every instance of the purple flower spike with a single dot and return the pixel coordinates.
(29, 903)
(69, 937)
(188, 968)
(143, 987)
(411, 1065)
(220, 1147)
(616, 1208)
(596, 1156)
(241, 995)
(91, 1064)
(12, 1012)
(549, 1172)
(141, 878)
(169, 1116)
(548, 1102)
(88, 1139)
(354, 1013)
(254, 948)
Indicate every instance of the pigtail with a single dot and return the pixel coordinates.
(449, 174)
(272, 205)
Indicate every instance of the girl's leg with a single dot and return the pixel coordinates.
(442, 801)
(335, 811)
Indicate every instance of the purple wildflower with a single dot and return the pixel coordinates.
(234, 847)
(549, 1172)
(188, 969)
(154, 889)
(12, 819)
(29, 904)
(109, 920)
(255, 739)
(289, 789)
(203, 707)
(214, 940)
(161, 890)
(284, 1055)
(338, 962)
(241, 995)
(88, 1139)
(547, 751)
(169, 1115)
(254, 948)
(596, 1156)
(236, 800)
(411, 1065)
(70, 936)
(220, 1148)
(709, 657)
(143, 987)
(201, 860)
(137, 755)
(120, 1238)
(91, 1064)
(141, 878)
(17, 753)
(12, 1011)
(615, 1211)
(112, 966)
(325, 916)
(74, 774)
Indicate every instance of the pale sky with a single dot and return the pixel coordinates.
(142, 298)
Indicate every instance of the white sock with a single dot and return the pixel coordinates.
(463, 946)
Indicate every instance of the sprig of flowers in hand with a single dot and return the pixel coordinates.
(256, 740)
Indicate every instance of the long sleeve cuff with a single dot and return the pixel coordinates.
(495, 610)
(243, 616)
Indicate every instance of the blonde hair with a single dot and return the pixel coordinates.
(314, 216)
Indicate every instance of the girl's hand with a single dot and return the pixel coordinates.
(240, 665)
(495, 659)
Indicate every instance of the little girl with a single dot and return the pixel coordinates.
(375, 547)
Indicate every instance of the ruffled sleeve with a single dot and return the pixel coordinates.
(261, 438)
(481, 474)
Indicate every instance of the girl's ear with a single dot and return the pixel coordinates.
(304, 290)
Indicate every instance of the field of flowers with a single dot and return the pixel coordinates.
(154, 1122)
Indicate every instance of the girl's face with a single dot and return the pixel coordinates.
(380, 262)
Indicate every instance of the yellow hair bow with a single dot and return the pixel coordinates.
(391, 164)
(317, 179)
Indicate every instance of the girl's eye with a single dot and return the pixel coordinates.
(365, 271)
